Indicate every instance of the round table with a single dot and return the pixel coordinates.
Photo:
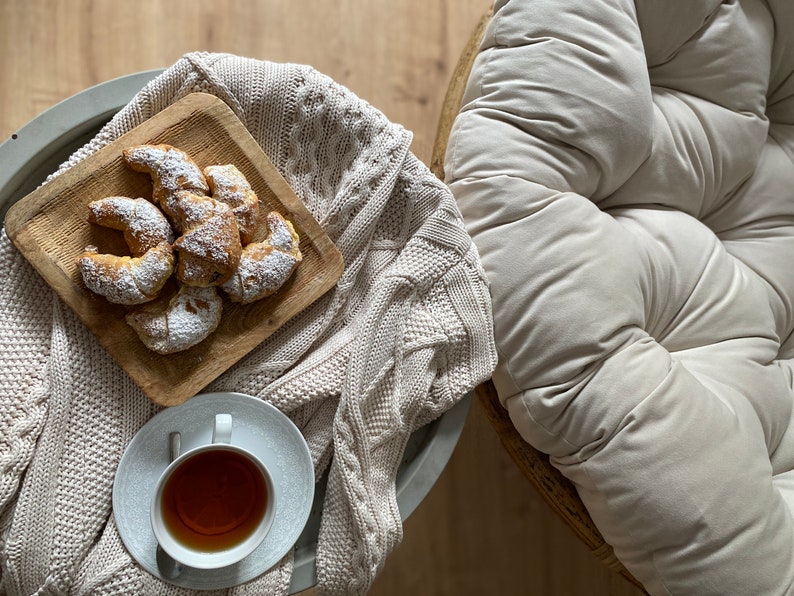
(47, 141)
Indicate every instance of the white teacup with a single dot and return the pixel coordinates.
(214, 504)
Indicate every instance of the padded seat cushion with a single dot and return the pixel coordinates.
(626, 170)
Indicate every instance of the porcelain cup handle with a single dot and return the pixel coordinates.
(222, 429)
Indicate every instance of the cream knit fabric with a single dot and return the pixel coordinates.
(404, 334)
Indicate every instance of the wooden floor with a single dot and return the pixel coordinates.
(482, 529)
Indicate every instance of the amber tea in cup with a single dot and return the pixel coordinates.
(214, 500)
(214, 504)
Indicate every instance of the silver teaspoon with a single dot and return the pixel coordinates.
(168, 566)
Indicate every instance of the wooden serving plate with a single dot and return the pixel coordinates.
(49, 226)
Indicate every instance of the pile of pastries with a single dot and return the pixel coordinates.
(198, 228)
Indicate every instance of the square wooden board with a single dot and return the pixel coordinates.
(50, 228)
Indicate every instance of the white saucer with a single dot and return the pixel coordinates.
(259, 427)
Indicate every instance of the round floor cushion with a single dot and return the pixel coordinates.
(626, 170)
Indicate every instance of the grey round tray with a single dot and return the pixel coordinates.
(47, 141)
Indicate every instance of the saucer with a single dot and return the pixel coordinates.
(259, 427)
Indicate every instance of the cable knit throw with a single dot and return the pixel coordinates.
(404, 335)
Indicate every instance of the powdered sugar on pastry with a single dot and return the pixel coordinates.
(282, 234)
(127, 280)
(229, 185)
(265, 266)
(209, 247)
(189, 317)
(143, 224)
(170, 168)
(207, 252)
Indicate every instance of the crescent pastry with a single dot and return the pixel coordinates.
(171, 169)
(131, 279)
(127, 280)
(230, 186)
(209, 248)
(184, 321)
(265, 266)
(143, 224)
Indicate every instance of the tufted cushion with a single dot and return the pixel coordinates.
(626, 170)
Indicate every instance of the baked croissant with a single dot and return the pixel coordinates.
(170, 169)
(131, 279)
(229, 185)
(265, 266)
(127, 280)
(209, 248)
(184, 321)
(143, 224)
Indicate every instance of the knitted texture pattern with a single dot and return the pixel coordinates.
(401, 338)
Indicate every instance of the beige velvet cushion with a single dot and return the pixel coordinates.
(626, 170)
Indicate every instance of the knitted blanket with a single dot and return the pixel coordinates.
(404, 335)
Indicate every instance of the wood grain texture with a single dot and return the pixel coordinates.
(483, 529)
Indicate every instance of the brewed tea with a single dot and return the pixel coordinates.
(214, 500)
